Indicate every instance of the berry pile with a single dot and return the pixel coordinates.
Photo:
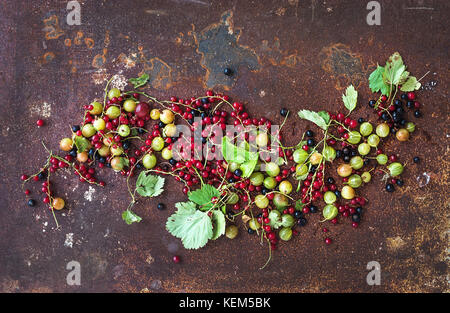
(132, 131)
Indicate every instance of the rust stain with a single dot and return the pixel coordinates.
(77, 39)
(343, 65)
(52, 28)
(275, 56)
(100, 59)
(89, 42)
(159, 71)
(128, 62)
(47, 57)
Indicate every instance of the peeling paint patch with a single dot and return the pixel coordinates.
(41, 109)
(89, 195)
(119, 81)
(100, 76)
(69, 240)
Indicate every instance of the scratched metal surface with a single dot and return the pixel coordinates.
(291, 53)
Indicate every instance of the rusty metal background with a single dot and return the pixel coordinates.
(285, 53)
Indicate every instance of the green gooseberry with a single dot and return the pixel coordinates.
(97, 108)
(364, 148)
(232, 166)
(366, 129)
(354, 181)
(329, 197)
(113, 93)
(395, 169)
(158, 144)
(329, 153)
(257, 178)
(329, 212)
(280, 201)
(356, 162)
(287, 220)
(149, 161)
(261, 201)
(354, 137)
(124, 130)
(113, 112)
(301, 169)
(300, 156)
(88, 130)
(233, 198)
(253, 224)
(270, 182)
(285, 234)
(382, 130)
(382, 159)
(410, 127)
(373, 140)
(366, 177)
(272, 169)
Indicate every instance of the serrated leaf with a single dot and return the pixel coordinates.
(186, 207)
(275, 220)
(394, 69)
(350, 98)
(129, 217)
(326, 117)
(81, 143)
(299, 205)
(149, 185)
(139, 81)
(376, 82)
(203, 196)
(247, 168)
(193, 227)
(313, 117)
(219, 223)
(411, 84)
(231, 153)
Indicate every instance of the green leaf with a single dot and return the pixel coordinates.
(275, 219)
(139, 81)
(325, 116)
(245, 158)
(350, 98)
(299, 205)
(186, 207)
(219, 223)
(248, 167)
(203, 196)
(81, 143)
(411, 84)
(149, 185)
(313, 117)
(300, 144)
(376, 82)
(129, 217)
(192, 226)
(393, 71)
